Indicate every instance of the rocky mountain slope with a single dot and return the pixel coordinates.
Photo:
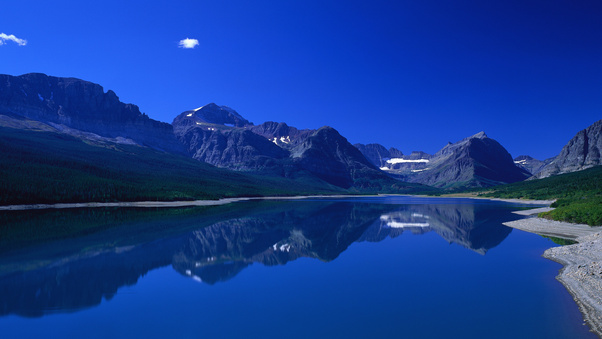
(476, 161)
(377, 154)
(282, 134)
(220, 136)
(531, 164)
(581, 152)
(79, 108)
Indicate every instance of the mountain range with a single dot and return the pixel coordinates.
(220, 136)
(319, 159)
(476, 161)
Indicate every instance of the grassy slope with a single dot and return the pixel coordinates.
(579, 195)
(45, 167)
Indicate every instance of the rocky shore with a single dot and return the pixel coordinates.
(552, 228)
(582, 271)
(582, 275)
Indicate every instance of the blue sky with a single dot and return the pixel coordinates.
(407, 74)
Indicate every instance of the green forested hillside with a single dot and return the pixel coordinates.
(578, 194)
(45, 167)
(570, 185)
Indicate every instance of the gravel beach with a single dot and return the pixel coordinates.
(582, 275)
(582, 271)
(552, 228)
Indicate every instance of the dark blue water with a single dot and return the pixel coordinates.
(351, 268)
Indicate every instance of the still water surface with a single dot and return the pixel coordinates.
(393, 267)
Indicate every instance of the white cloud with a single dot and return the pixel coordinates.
(4, 38)
(188, 43)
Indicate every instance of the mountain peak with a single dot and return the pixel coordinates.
(215, 114)
(480, 135)
(581, 152)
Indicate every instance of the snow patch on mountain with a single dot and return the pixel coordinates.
(401, 161)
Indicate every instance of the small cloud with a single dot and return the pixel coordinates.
(4, 38)
(188, 43)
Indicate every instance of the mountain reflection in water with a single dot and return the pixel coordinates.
(112, 248)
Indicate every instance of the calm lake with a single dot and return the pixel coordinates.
(386, 267)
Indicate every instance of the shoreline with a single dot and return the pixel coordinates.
(470, 196)
(519, 201)
(171, 204)
(551, 228)
(581, 273)
(224, 201)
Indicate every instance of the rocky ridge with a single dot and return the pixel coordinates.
(531, 164)
(476, 161)
(581, 152)
(377, 154)
(80, 108)
(221, 137)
